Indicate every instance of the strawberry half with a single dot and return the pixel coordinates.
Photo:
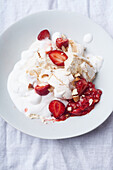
(57, 108)
(42, 90)
(43, 34)
(58, 57)
(81, 86)
(62, 42)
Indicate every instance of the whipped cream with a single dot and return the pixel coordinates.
(36, 68)
(88, 38)
(55, 36)
(34, 63)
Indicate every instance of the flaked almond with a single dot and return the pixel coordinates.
(73, 45)
(74, 92)
(63, 49)
(34, 116)
(45, 75)
(51, 89)
(77, 75)
(76, 98)
(39, 54)
(77, 79)
(30, 86)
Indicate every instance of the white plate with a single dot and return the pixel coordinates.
(19, 37)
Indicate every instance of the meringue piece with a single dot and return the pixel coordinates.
(60, 81)
(78, 64)
(96, 61)
(75, 47)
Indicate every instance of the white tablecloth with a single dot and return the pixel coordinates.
(93, 151)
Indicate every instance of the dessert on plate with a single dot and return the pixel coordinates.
(53, 79)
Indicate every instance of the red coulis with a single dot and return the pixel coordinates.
(89, 97)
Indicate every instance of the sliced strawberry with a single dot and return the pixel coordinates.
(81, 86)
(58, 57)
(62, 42)
(57, 108)
(42, 90)
(43, 34)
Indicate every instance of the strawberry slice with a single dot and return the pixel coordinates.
(42, 90)
(81, 86)
(57, 108)
(62, 42)
(43, 34)
(58, 57)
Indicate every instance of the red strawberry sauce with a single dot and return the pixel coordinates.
(89, 97)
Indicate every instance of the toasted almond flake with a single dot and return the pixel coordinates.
(30, 86)
(34, 116)
(76, 98)
(77, 75)
(51, 89)
(45, 75)
(63, 49)
(83, 95)
(77, 79)
(39, 54)
(74, 92)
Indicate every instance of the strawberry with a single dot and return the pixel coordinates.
(43, 34)
(57, 108)
(42, 90)
(62, 42)
(81, 86)
(58, 57)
